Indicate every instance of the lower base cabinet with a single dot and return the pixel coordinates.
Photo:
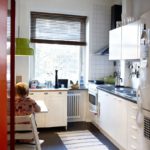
(57, 109)
(134, 141)
(56, 103)
(113, 117)
(118, 120)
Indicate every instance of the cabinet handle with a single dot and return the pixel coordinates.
(133, 137)
(134, 128)
(133, 147)
(31, 94)
(59, 92)
(45, 93)
(119, 100)
(133, 117)
(134, 107)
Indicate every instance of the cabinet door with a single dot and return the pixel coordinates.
(134, 141)
(57, 109)
(130, 42)
(119, 130)
(113, 117)
(39, 117)
(105, 111)
(37, 95)
(115, 44)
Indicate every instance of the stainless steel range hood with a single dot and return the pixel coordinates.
(103, 51)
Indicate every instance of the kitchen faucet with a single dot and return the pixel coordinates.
(56, 78)
(118, 79)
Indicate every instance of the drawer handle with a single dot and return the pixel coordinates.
(134, 107)
(117, 99)
(45, 93)
(133, 137)
(133, 147)
(134, 128)
(133, 117)
(59, 92)
(31, 94)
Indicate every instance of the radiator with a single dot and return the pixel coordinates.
(73, 105)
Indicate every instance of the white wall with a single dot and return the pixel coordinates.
(140, 7)
(98, 12)
(22, 65)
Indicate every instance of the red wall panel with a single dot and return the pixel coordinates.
(3, 90)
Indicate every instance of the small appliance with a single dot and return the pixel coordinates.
(33, 84)
(93, 95)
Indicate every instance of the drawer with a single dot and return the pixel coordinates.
(133, 130)
(132, 147)
(132, 116)
(132, 108)
(133, 142)
(132, 121)
(57, 93)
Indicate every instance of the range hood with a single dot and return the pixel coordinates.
(103, 51)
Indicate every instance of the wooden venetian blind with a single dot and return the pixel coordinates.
(58, 28)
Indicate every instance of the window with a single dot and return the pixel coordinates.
(59, 41)
(51, 57)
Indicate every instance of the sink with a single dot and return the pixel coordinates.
(120, 90)
(131, 94)
(126, 91)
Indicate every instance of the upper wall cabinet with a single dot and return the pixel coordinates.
(130, 42)
(115, 44)
(124, 42)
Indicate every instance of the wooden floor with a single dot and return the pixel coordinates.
(53, 142)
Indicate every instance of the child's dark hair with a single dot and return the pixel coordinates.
(22, 89)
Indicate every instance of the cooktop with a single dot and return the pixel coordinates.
(97, 81)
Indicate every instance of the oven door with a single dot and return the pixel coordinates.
(93, 102)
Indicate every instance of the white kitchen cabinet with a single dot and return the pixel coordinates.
(57, 109)
(56, 102)
(113, 117)
(105, 112)
(118, 120)
(124, 42)
(133, 138)
(130, 41)
(40, 117)
(115, 44)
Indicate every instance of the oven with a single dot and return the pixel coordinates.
(93, 98)
(93, 102)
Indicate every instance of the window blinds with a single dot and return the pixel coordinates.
(58, 28)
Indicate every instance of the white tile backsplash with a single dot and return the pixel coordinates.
(100, 67)
(127, 73)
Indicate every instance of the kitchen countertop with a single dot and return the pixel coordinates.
(124, 92)
(48, 89)
(54, 89)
